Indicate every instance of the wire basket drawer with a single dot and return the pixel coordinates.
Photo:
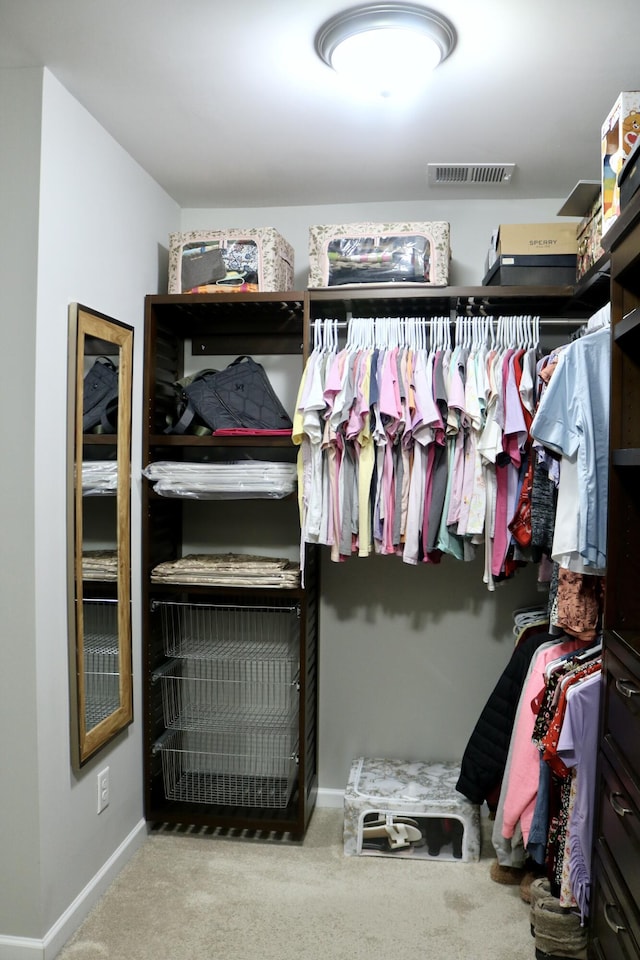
(201, 694)
(101, 658)
(248, 768)
(259, 638)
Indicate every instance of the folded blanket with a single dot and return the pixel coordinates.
(100, 565)
(228, 569)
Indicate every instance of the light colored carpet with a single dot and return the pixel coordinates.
(209, 897)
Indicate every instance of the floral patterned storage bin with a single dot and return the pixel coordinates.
(397, 809)
(254, 260)
(373, 253)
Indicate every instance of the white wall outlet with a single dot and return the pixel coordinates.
(103, 789)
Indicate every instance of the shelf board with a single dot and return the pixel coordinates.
(221, 324)
(563, 302)
(629, 457)
(191, 440)
(222, 345)
(166, 590)
(630, 638)
(628, 326)
(243, 316)
(581, 199)
(165, 815)
(283, 297)
(100, 439)
(594, 286)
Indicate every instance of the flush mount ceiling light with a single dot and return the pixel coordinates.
(385, 46)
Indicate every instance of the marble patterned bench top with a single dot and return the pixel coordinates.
(433, 784)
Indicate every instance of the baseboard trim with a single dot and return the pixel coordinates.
(28, 948)
(21, 948)
(327, 797)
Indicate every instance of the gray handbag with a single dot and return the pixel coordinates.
(240, 397)
(100, 397)
(201, 266)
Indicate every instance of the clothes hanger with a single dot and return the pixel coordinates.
(326, 335)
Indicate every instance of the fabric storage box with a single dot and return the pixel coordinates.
(585, 202)
(373, 253)
(514, 271)
(589, 235)
(618, 135)
(257, 259)
(409, 809)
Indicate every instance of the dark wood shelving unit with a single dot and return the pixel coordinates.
(615, 900)
(179, 329)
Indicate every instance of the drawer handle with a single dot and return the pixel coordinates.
(617, 806)
(616, 927)
(627, 688)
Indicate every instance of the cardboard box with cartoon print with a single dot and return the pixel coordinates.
(619, 132)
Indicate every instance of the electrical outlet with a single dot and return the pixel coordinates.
(103, 789)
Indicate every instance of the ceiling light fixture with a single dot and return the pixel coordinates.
(385, 46)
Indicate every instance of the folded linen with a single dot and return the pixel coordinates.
(99, 477)
(100, 565)
(233, 480)
(228, 569)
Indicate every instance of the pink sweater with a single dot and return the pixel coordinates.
(524, 770)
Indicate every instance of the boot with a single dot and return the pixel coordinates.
(506, 875)
(558, 933)
(538, 890)
(434, 835)
(532, 872)
(455, 830)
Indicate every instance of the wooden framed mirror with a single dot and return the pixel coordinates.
(99, 529)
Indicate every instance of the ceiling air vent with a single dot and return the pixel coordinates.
(469, 173)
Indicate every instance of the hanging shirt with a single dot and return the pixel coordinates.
(573, 419)
(578, 746)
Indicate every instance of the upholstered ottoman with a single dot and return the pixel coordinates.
(400, 809)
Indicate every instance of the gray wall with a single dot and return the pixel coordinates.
(20, 834)
(80, 222)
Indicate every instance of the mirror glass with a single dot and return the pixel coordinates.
(99, 529)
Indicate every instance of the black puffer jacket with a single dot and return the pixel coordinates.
(485, 756)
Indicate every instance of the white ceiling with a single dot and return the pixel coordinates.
(226, 104)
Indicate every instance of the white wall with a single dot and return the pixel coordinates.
(408, 655)
(101, 240)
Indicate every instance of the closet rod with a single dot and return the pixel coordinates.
(544, 321)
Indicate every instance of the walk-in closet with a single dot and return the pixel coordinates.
(207, 633)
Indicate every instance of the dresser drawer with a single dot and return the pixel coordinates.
(622, 704)
(619, 825)
(614, 925)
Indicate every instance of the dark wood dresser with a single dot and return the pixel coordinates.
(615, 899)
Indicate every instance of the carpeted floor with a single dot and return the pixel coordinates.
(207, 897)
